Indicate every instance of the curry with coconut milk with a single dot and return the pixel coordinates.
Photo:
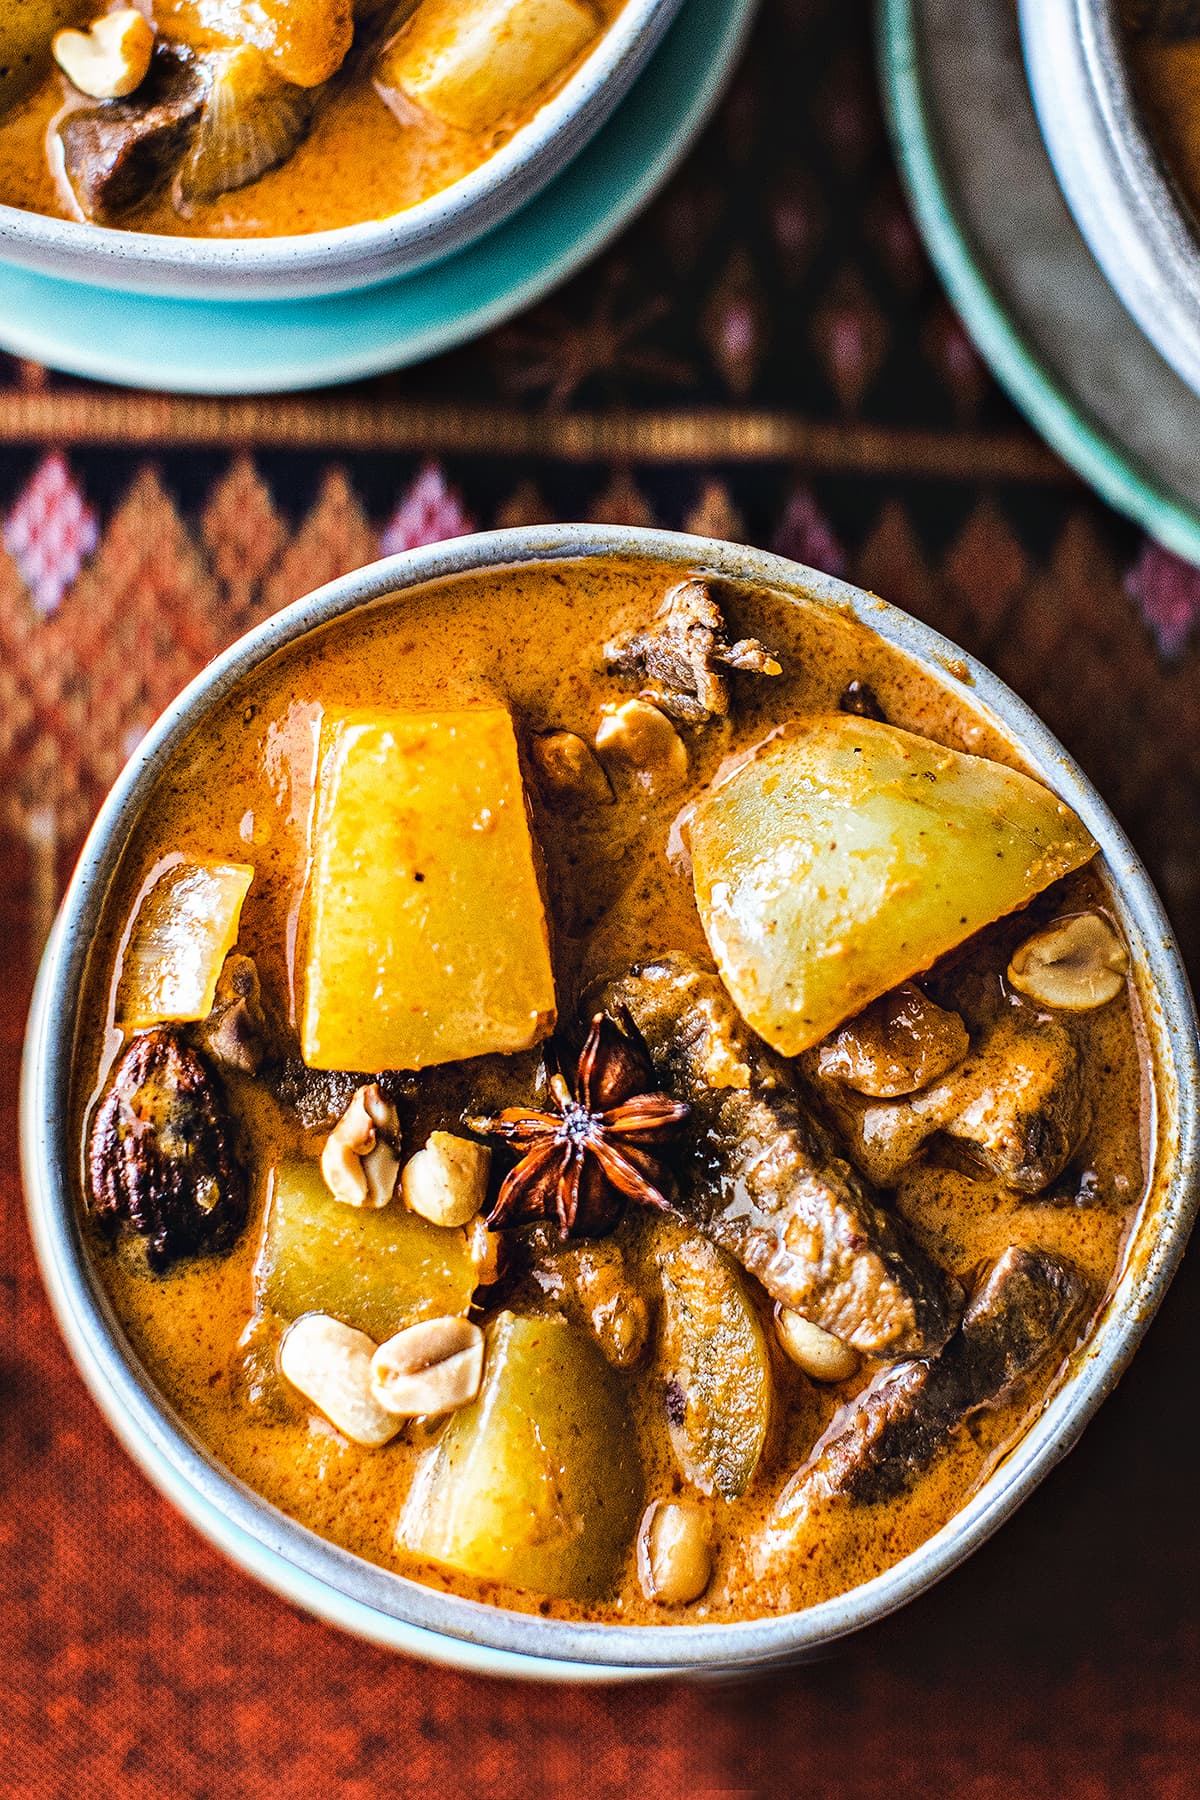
(628, 1117)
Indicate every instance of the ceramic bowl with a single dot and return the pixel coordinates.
(1137, 224)
(391, 1609)
(354, 256)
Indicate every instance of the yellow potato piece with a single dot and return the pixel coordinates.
(306, 40)
(537, 1482)
(848, 855)
(377, 1269)
(185, 927)
(427, 936)
(473, 65)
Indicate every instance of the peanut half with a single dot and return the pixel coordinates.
(431, 1368)
(361, 1158)
(674, 1557)
(330, 1364)
(822, 1356)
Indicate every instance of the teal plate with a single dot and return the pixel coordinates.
(268, 346)
(1018, 270)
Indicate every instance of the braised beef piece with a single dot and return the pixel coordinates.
(880, 1442)
(1016, 1105)
(161, 1155)
(319, 1097)
(682, 655)
(766, 1182)
(119, 152)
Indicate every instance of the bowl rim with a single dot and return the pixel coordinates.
(1138, 223)
(532, 155)
(394, 1609)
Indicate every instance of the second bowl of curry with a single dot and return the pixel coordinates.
(223, 149)
(623, 1146)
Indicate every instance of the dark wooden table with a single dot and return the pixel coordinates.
(766, 355)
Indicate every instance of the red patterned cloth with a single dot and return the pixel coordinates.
(766, 357)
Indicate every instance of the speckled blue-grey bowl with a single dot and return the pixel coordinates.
(354, 256)
(389, 1608)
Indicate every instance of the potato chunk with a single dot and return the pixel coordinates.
(377, 1270)
(717, 1370)
(537, 1482)
(306, 40)
(427, 937)
(185, 927)
(848, 855)
(473, 65)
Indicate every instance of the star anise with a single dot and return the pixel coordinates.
(601, 1146)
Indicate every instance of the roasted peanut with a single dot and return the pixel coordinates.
(674, 1557)
(1076, 964)
(446, 1182)
(821, 1356)
(330, 1364)
(638, 734)
(431, 1368)
(110, 60)
(568, 769)
(361, 1158)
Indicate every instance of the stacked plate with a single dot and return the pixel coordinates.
(1079, 278)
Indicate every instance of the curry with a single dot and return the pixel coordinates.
(259, 118)
(627, 1117)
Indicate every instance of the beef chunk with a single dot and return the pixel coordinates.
(877, 1444)
(766, 1182)
(160, 1155)
(1016, 1105)
(682, 655)
(895, 1046)
(235, 1032)
(119, 152)
(319, 1097)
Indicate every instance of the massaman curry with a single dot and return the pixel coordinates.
(627, 1114)
(252, 118)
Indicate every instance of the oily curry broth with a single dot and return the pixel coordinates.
(241, 790)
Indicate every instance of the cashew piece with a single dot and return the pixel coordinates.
(429, 1368)
(1076, 964)
(110, 60)
(821, 1356)
(674, 1558)
(446, 1182)
(361, 1158)
(642, 736)
(330, 1363)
